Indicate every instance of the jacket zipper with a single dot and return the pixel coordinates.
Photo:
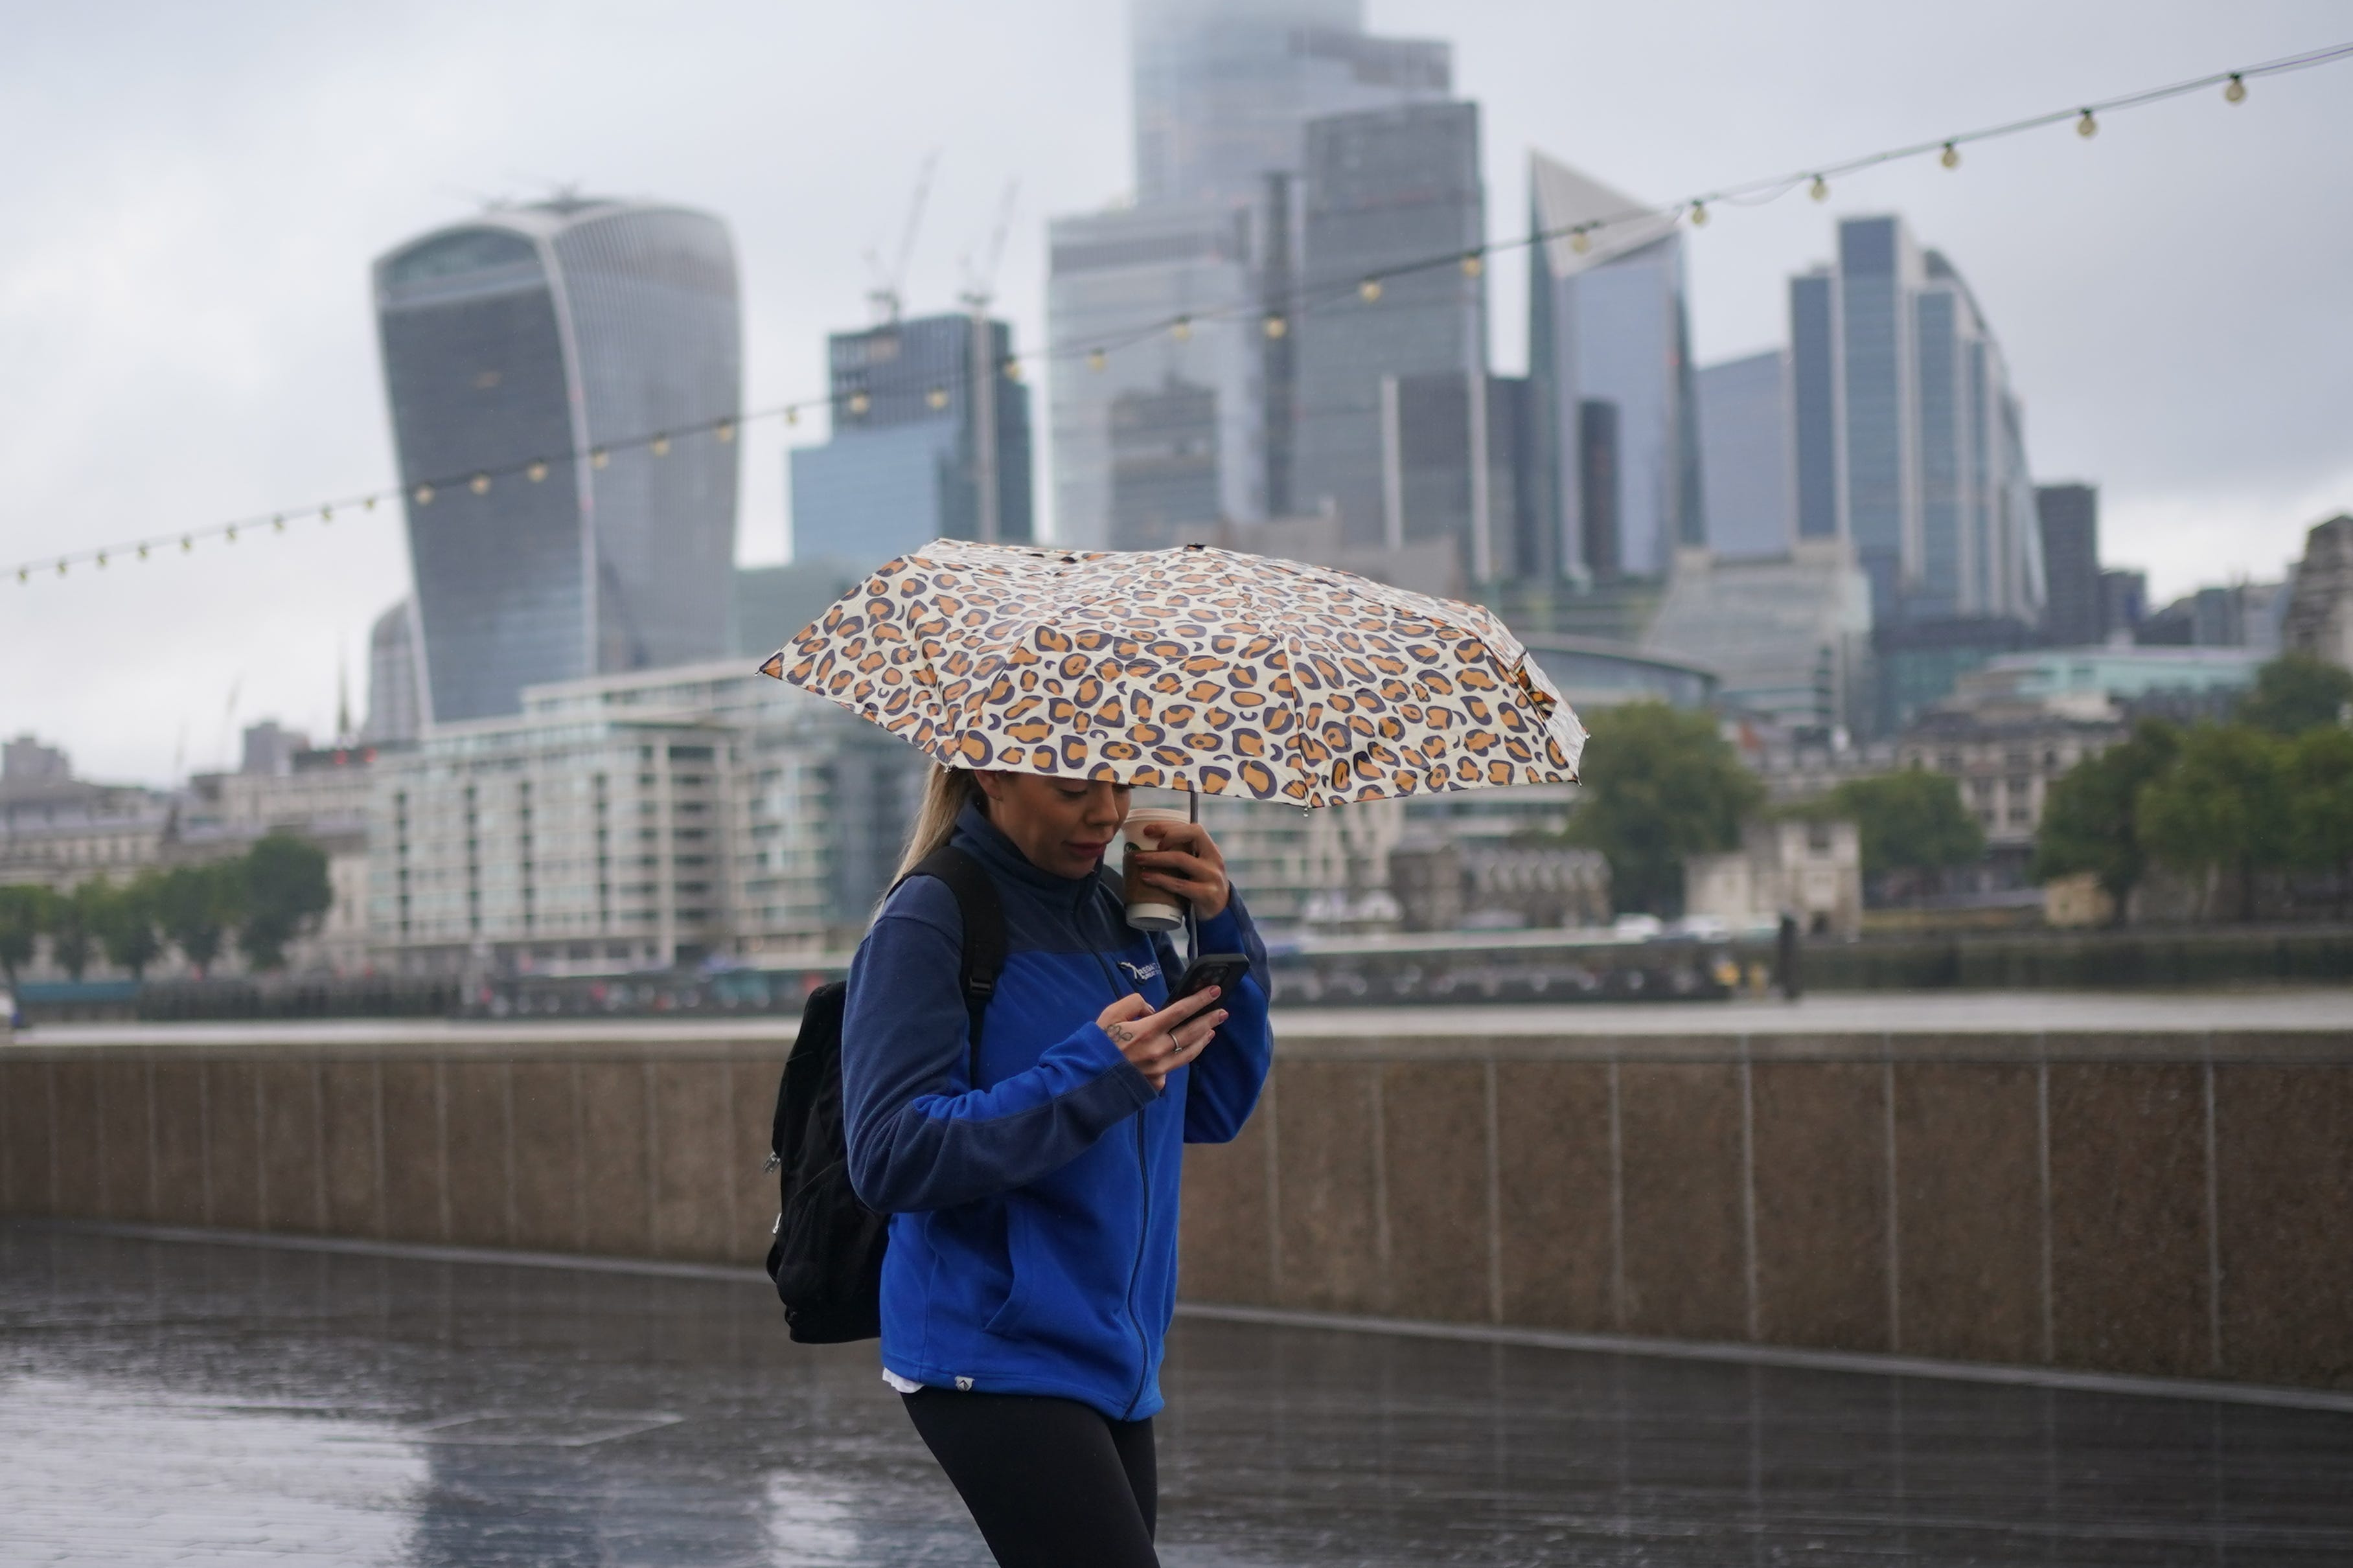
(1135, 1267)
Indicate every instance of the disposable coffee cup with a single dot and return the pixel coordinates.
(1148, 908)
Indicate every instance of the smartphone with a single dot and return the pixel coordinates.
(1222, 970)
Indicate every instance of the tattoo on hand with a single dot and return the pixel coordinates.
(1121, 1034)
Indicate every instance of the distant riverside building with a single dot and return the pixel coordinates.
(772, 602)
(930, 439)
(396, 679)
(2318, 618)
(1388, 188)
(2123, 601)
(1429, 490)
(1155, 432)
(638, 819)
(2073, 614)
(1609, 355)
(1789, 635)
(25, 762)
(600, 341)
(1745, 447)
(1909, 439)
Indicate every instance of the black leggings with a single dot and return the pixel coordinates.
(1051, 1482)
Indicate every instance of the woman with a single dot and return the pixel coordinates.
(1032, 1265)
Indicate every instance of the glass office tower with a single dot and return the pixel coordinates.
(1222, 91)
(1384, 189)
(930, 428)
(1745, 447)
(1909, 441)
(1610, 352)
(544, 335)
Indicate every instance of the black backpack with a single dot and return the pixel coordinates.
(827, 1257)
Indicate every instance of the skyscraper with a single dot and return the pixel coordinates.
(567, 335)
(1910, 442)
(1609, 355)
(1222, 87)
(394, 714)
(1384, 189)
(1223, 90)
(930, 439)
(2070, 518)
(1745, 444)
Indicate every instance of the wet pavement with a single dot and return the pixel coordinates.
(168, 1402)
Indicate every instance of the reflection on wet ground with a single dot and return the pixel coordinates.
(225, 1403)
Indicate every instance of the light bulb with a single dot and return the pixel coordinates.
(726, 431)
(1580, 242)
(101, 560)
(61, 568)
(860, 403)
(1012, 369)
(1951, 157)
(1181, 327)
(326, 514)
(1699, 215)
(23, 575)
(424, 494)
(230, 533)
(1096, 359)
(1276, 326)
(2236, 92)
(278, 523)
(1369, 289)
(2087, 126)
(1473, 265)
(536, 473)
(599, 458)
(792, 415)
(480, 484)
(367, 505)
(937, 397)
(1819, 190)
(187, 543)
(143, 553)
(661, 445)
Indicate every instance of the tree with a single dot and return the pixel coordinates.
(1660, 784)
(2320, 805)
(1909, 821)
(2221, 805)
(23, 916)
(2296, 692)
(286, 890)
(73, 927)
(197, 905)
(2091, 816)
(126, 924)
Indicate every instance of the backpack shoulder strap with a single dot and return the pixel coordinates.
(983, 956)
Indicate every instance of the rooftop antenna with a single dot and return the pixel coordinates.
(887, 295)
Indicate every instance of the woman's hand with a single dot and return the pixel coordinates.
(1188, 864)
(1157, 1044)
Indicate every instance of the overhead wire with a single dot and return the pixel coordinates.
(1365, 288)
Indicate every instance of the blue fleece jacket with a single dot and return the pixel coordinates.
(1033, 1229)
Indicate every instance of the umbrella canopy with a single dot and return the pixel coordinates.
(1195, 668)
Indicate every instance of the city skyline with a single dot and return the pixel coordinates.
(258, 399)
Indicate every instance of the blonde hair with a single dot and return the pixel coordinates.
(945, 791)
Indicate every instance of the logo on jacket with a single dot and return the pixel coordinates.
(1137, 973)
(965, 1384)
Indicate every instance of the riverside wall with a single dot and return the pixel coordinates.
(2172, 1202)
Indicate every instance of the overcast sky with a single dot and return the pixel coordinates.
(195, 193)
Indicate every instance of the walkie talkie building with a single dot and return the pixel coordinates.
(557, 376)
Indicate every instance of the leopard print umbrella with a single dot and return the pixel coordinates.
(1196, 668)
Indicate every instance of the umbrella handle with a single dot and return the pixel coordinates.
(1192, 919)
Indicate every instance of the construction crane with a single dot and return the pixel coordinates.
(978, 282)
(890, 283)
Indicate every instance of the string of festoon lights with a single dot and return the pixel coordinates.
(1362, 292)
